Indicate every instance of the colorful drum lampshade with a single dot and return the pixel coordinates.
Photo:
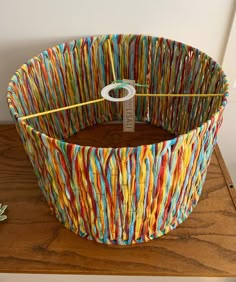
(129, 194)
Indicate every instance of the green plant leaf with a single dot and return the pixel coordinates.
(2, 209)
(3, 217)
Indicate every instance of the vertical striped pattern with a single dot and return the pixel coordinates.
(119, 195)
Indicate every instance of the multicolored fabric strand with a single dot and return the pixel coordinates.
(119, 195)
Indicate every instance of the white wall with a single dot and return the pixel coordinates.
(229, 59)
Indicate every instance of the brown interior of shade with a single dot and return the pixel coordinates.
(112, 135)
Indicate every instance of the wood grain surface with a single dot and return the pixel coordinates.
(32, 241)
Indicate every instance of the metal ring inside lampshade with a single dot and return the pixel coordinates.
(105, 92)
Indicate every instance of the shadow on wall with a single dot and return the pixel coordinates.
(14, 53)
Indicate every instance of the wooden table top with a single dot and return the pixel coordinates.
(33, 241)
